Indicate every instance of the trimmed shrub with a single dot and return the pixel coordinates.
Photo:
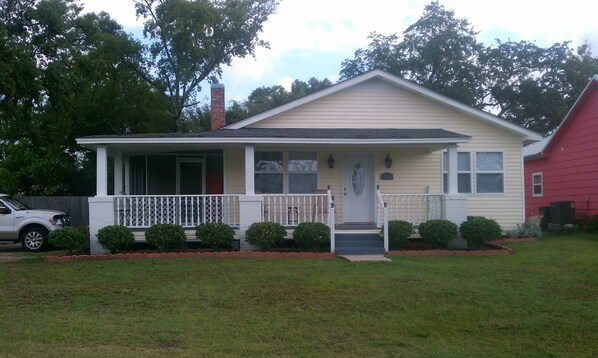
(165, 237)
(477, 230)
(398, 232)
(438, 232)
(310, 236)
(590, 224)
(68, 238)
(266, 235)
(529, 229)
(115, 238)
(215, 235)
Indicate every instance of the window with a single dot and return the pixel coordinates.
(299, 175)
(303, 172)
(463, 172)
(268, 172)
(489, 172)
(537, 187)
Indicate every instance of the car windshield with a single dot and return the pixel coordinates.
(14, 203)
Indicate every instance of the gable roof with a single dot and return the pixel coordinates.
(550, 141)
(527, 134)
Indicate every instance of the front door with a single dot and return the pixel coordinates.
(190, 177)
(358, 188)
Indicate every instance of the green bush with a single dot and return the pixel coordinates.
(529, 229)
(69, 239)
(115, 238)
(310, 236)
(215, 235)
(590, 224)
(438, 232)
(165, 237)
(266, 235)
(399, 232)
(477, 230)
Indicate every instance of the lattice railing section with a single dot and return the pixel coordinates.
(293, 209)
(414, 208)
(143, 211)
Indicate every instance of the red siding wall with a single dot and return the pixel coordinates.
(569, 165)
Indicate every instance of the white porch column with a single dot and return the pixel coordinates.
(118, 173)
(101, 171)
(127, 175)
(250, 211)
(101, 213)
(249, 171)
(452, 175)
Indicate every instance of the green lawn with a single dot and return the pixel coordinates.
(541, 301)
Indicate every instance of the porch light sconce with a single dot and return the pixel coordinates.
(388, 161)
(330, 161)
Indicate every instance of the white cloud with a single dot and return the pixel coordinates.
(339, 27)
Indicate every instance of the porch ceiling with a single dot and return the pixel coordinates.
(301, 136)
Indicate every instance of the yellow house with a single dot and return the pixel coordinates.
(354, 155)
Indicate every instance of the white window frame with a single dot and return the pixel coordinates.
(285, 168)
(476, 172)
(470, 171)
(535, 175)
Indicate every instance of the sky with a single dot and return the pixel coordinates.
(311, 38)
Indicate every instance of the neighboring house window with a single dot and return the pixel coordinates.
(299, 175)
(537, 185)
(463, 172)
(489, 172)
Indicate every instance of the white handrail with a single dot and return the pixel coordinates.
(413, 208)
(385, 217)
(293, 209)
(331, 219)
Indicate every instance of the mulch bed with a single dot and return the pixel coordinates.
(421, 250)
(510, 239)
(191, 254)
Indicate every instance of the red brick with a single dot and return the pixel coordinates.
(50, 259)
(308, 255)
(135, 255)
(153, 255)
(172, 255)
(326, 255)
(240, 254)
(118, 257)
(222, 254)
(205, 254)
(258, 254)
(188, 254)
(100, 257)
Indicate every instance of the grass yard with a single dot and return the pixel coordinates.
(541, 301)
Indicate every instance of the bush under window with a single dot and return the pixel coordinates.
(438, 232)
(310, 235)
(215, 235)
(399, 232)
(165, 237)
(115, 238)
(477, 230)
(266, 235)
(69, 239)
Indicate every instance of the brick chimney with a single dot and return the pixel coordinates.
(217, 106)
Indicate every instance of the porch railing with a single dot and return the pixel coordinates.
(293, 209)
(414, 208)
(143, 211)
(383, 208)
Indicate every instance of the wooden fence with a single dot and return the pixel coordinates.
(76, 206)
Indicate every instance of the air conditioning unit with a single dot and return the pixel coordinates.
(562, 212)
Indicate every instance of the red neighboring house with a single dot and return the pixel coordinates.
(564, 166)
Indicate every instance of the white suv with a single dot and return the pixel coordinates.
(30, 227)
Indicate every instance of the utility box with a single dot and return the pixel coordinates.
(562, 212)
(546, 217)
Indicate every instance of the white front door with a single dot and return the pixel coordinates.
(358, 188)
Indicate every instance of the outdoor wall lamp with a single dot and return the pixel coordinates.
(330, 161)
(388, 161)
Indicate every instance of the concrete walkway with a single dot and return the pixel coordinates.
(365, 258)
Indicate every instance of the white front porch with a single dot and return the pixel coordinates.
(240, 210)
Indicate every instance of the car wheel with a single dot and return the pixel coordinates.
(34, 238)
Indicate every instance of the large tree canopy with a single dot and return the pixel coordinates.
(191, 40)
(65, 75)
(519, 81)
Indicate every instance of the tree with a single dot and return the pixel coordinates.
(190, 41)
(438, 51)
(65, 75)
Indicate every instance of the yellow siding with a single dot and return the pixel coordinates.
(377, 104)
(234, 170)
